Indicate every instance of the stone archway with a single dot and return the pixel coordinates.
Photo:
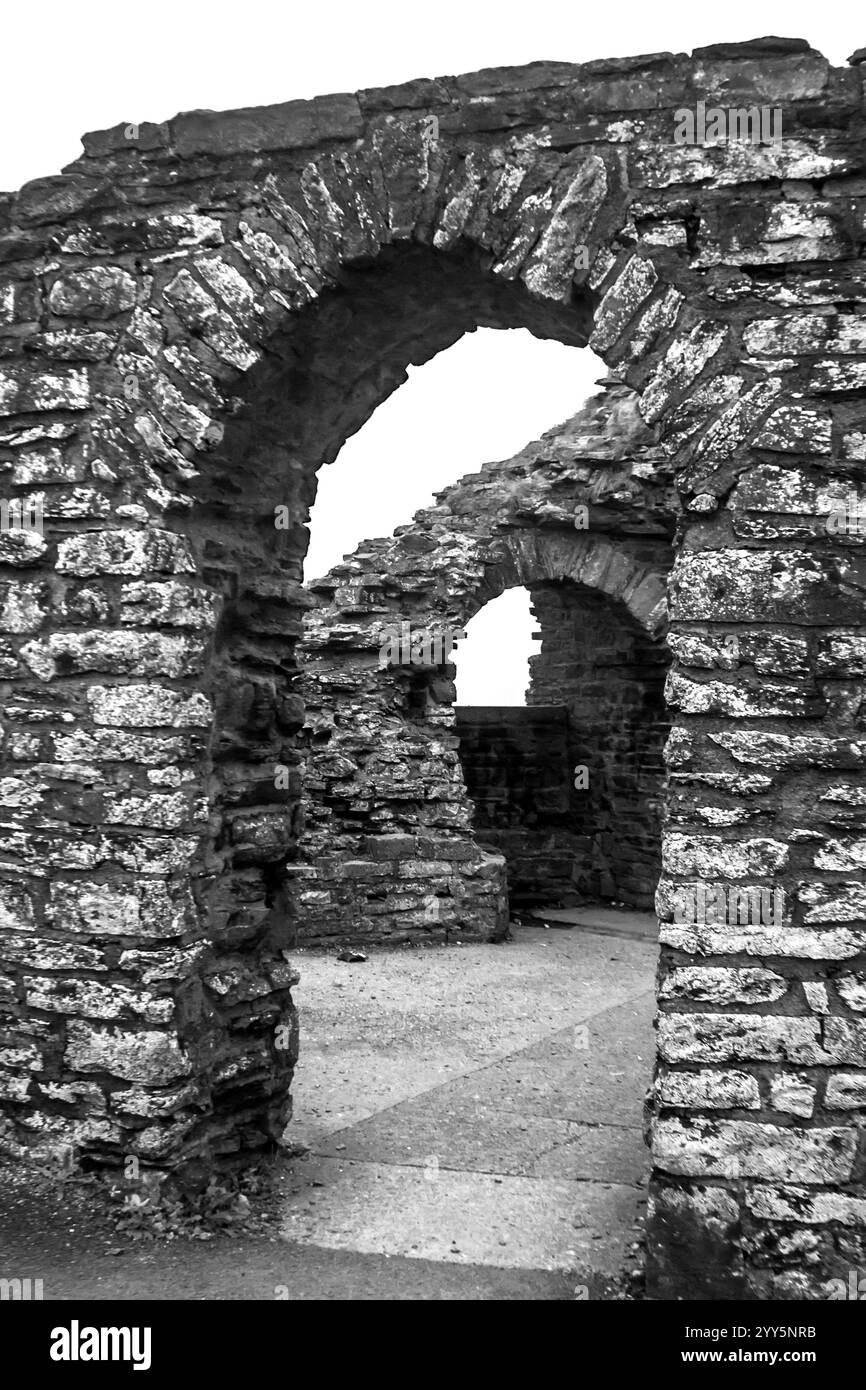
(162, 390)
(388, 851)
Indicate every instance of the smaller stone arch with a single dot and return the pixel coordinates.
(597, 563)
(388, 850)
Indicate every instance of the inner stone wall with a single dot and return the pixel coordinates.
(609, 673)
(517, 769)
(569, 790)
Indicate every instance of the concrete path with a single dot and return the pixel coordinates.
(473, 1115)
(479, 1105)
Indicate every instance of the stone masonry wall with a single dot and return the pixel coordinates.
(193, 318)
(518, 774)
(609, 673)
(388, 851)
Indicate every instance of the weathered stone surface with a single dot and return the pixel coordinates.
(99, 293)
(201, 314)
(763, 748)
(141, 909)
(710, 1148)
(721, 985)
(793, 1095)
(40, 954)
(115, 745)
(709, 1089)
(622, 301)
(802, 1204)
(16, 908)
(140, 706)
(809, 333)
(838, 902)
(684, 361)
(741, 698)
(761, 587)
(169, 602)
(95, 1000)
(122, 653)
(148, 1057)
(288, 126)
(739, 1038)
(846, 1092)
(708, 856)
(25, 390)
(57, 197)
(125, 552)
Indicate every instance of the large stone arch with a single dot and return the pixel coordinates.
(174, 310)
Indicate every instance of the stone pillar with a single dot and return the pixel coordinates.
(757, 1139)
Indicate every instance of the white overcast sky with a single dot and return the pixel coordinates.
(73, 67)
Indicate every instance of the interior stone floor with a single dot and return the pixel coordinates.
(479, 1104)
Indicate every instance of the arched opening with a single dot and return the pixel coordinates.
(567, 785)
(496, 1079)
(326, 369)
(493, 661)
(477, 400)
(557, 803)
(321, 380)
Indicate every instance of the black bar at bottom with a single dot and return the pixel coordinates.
(60, 1339)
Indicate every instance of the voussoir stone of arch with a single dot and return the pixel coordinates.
(194, 316)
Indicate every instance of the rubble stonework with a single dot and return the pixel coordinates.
(193, 318)
(394, 846)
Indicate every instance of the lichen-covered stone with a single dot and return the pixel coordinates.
(721, 985)
(142, 706)
(144, 909)
(710, 857)
(26, 390)
(97, 293)
(804, 1205)
(148, 1057)
(121, 653)
(125, 552)
(793, 1095)
(742, 1149)
(708, 1089)
(739, 1038)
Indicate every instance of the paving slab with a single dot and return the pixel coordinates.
(465, 1217)
(245, 1270)
(477, 1138)
(595, 1072)
(403, 1021)
(479, 1105)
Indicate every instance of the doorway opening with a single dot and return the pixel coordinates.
(568, 785)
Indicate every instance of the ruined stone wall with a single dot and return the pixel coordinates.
(518, 772)
(609, 673)
(194, 317)
(388, 850)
